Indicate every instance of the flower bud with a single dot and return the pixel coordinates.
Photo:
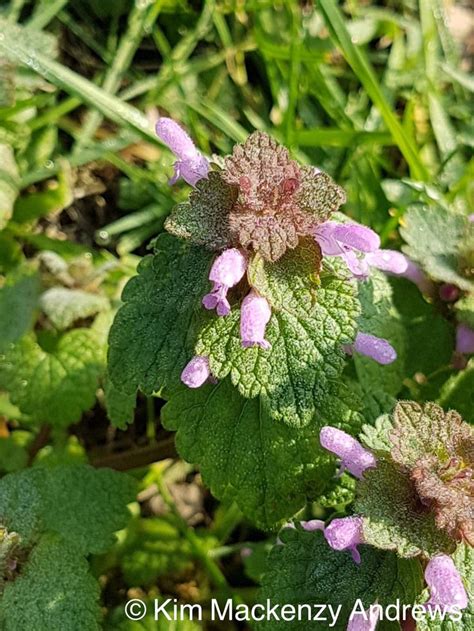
(255, 314)
(366, 621)
(312, 525)
(345, 534)
(445, 583)
(354, 457)
(196, 372)
(375, 347)
(464, 339)
(226, 271)
(191, 165)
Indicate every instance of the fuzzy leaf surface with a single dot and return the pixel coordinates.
(267, 467)
(18, 300)
(394, 518)
(64, 306)
(380, 318)
(83, 505)
(154, 332)
(204, 219)
(310, 322)
(56, 385)
(305, 570)
(436, 239)
(54, 591)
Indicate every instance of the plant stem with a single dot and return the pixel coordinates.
(45, 13)
(211, 567)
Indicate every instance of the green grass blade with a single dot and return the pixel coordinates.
(366, 75)
(15, 46)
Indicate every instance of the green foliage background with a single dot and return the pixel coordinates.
(376, 93)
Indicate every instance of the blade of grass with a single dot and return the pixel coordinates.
(17, 49)
(366, 75)
(293, 76)
(141, 18)
(45, 12)
(341, 138)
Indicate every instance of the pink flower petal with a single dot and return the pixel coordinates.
(255, 314)
(354, 457)
(464, 339)
(445, 583)
(196, 372)
(389, 261)
(345, 534)
(375, 347)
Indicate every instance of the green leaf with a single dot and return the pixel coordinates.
(154, 547)
(85, 506)
(377, 437)
(458, 392)
(54, 591)
(380, 318)
(55, 384)
(393, 516)
(120, 405)
(305, 570)
(423, 324)
(29, 208)
(464, 561)
(13, 451)
(435, 238)
(154, 332)
(365, 73)
(340, 493)
(267, 467)
(18, 300)
(26, 46)
(9, 177)
(309, 325)
(465, 309)
(65, 306)
(204, 219)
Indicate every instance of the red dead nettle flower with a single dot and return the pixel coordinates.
(265, 202)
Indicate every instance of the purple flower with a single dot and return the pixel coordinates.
(366, 621)
(389, 261)
(355, 458)
(191, 165)
(345, 240)
(464, 339)
(226, 271)
(445, 583)
(196, 372)
(345, 534)
(312, 525)
(254, 316)
(375, 347)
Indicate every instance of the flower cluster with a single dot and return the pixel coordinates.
(347, 533)
(267, 203)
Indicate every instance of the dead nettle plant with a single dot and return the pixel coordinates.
(245, 318)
